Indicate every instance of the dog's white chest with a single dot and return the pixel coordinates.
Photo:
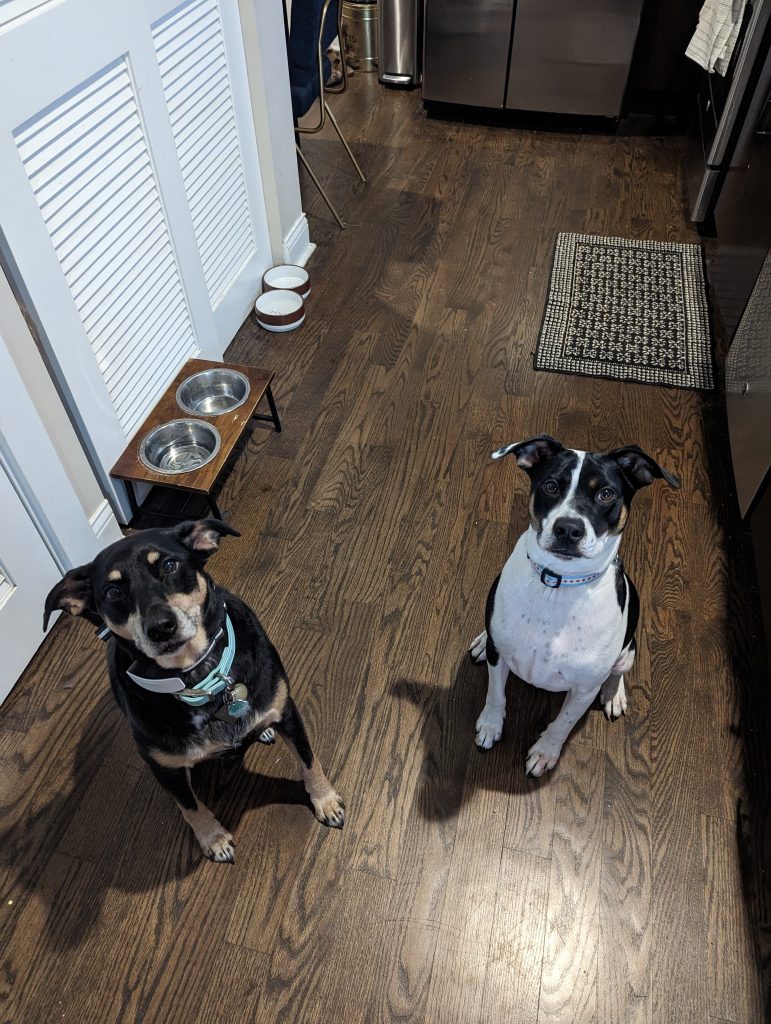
(556, 639)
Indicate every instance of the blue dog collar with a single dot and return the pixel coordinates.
(216, 681)
(554, 580)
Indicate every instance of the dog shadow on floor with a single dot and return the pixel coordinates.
(452, 765)
(96, 831)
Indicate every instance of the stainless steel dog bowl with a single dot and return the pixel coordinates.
(213, 392)
(179, 446)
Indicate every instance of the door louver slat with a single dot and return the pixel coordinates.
(192, 59)
(89, 166)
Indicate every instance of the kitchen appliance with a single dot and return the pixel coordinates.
(552, 56)
(721, 108)
(400, 42)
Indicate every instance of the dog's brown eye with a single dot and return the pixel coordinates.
(551, 487)
(113, 593)
(606, 495)
(169, 565)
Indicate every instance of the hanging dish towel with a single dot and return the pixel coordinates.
(716, 34)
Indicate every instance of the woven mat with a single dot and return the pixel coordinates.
(627, 310)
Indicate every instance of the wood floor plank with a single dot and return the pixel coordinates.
(512, 985)
(571, 943)
(627, 898)
(234, 987)
(733, 984)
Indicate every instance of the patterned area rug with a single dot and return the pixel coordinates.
(627, 310)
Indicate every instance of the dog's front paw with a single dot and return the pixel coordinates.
(489, 726)
(542, 756)
(478, 648)
(329, 809)
(218, 846)
(613, 698)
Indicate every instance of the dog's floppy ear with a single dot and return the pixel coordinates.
(202, 536)
(639, 468)
(72, 594)
(530, 453)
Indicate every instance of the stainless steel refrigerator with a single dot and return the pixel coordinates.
(555, 56)
(720, 109)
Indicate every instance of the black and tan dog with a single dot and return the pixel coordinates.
(190, 666)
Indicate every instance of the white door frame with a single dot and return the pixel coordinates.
(73, 532)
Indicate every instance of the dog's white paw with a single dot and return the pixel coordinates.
(542, 756)
(267, 735)
(613, 698)
(489, 726)
(218, 846)
(329, 809)
(478, 649)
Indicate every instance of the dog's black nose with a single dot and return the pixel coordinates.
(160, 623)
(569, 530)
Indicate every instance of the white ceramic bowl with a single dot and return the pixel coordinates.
(279, 310)
(287, 278)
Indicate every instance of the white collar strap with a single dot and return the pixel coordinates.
(208, 687)
(554, 580)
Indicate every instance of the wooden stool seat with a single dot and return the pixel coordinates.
(231, 427)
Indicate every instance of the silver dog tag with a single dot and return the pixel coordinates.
(235, 703)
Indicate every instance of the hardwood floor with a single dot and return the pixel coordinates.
(629, 884)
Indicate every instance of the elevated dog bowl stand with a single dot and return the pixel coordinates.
(231, 426)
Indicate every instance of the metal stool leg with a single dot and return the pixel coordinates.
(273, 418)
(336, 126)
(273, 409)
(317, 183)
(132, 498)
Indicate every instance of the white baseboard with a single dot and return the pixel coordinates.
(298, 247)
(104, 524)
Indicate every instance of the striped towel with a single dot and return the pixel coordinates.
(715, 37)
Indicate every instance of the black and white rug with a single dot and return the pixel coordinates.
(627, 310)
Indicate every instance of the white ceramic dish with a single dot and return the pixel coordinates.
(279, 310)
(287, 278)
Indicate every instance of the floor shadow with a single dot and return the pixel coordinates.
(749, 669)
(452, 764)
(163, 846)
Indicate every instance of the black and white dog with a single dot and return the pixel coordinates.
(562, 614)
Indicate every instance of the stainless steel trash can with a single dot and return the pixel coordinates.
(400, 42)
(360, 33)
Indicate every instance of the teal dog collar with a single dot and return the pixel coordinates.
(216, 681)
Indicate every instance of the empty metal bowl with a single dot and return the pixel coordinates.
(180, 446)
(213, 392)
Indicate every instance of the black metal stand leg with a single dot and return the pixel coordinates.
(273, 410)
(214, 507)
(273, 418)
(132, 499)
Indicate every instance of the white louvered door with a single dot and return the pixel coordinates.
(131, 205)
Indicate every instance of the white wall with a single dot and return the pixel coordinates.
(262, 22)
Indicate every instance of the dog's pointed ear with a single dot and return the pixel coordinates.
(72, 594)
(202, 536)
(530, 454)
(639, 468)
